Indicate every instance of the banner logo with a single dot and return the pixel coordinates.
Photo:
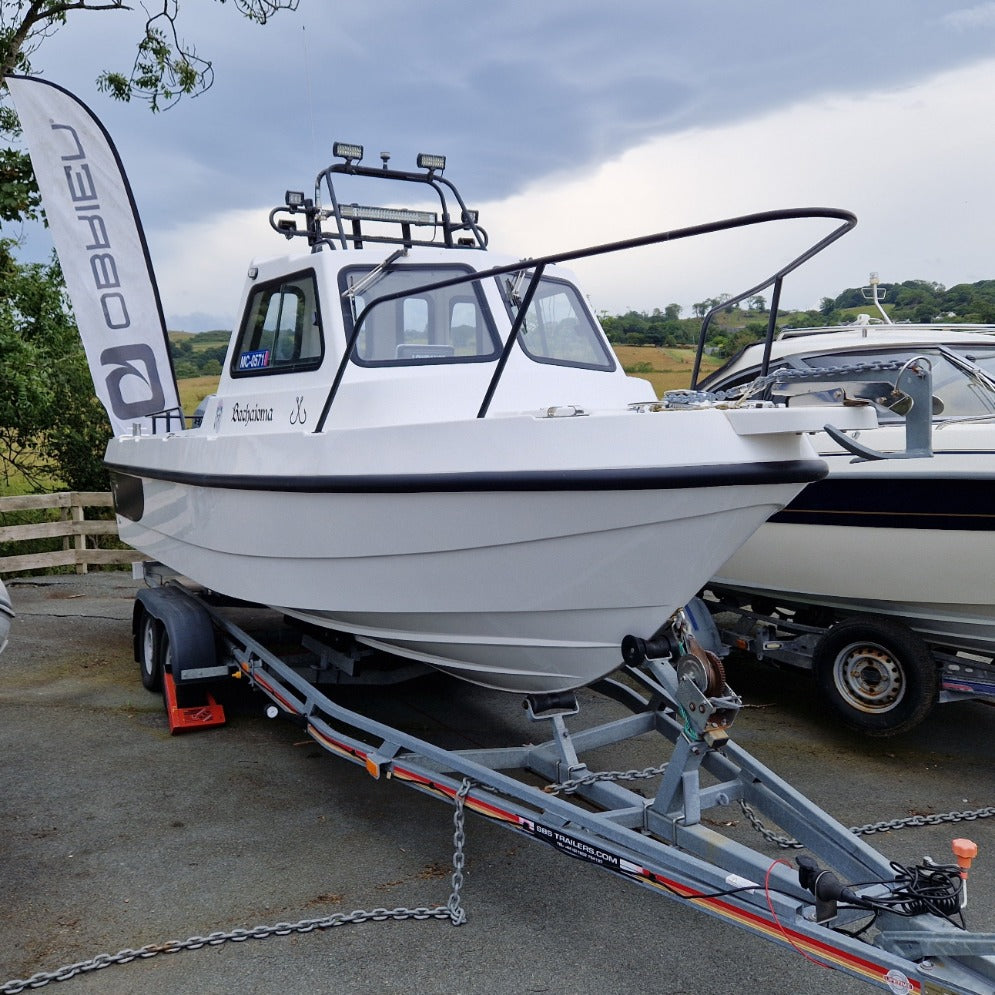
(147, 383)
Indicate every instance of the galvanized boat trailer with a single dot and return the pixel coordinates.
(903, 931)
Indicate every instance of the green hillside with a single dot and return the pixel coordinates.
(202, 354)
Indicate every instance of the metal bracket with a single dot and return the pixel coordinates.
(917, 393)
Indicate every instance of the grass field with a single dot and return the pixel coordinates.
(201, 340)
(666, 369)
(193, 390)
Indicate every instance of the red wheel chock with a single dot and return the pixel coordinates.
(189, 717)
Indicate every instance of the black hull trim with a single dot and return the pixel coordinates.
(953, 504)
(652, 478)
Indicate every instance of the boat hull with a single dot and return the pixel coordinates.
(914, 540)
(523, 580)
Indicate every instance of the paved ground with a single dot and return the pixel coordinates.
(117, 835)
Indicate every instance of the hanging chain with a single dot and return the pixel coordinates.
(456, 911)
(452, 910)
(789, 843)
(572, 784)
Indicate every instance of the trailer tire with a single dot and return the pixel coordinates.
(166, 652)
(150, 652)
(877, 675)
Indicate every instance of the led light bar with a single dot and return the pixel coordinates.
(432, 162)
(294, 198)
(356, 212)
(345, 150)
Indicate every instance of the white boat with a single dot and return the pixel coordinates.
(428, 447)
(909, 541)
(909, 538)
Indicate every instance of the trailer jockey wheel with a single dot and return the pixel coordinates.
(149, 652)
(877, 674)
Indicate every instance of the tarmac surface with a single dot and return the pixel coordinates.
(116, 835)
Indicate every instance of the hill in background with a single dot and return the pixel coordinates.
(657, 344)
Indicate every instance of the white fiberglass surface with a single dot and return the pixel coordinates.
(858, 565)
(557, 606)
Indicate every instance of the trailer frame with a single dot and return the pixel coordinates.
(661, 841)
(790, 633)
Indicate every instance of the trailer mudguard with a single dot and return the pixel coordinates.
(186, 627)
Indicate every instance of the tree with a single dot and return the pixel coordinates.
(52, 427)
(165, 68)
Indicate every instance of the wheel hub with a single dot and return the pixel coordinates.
(869, 678)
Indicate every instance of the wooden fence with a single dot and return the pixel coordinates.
(71, 526)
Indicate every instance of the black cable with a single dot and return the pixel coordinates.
(918, 890)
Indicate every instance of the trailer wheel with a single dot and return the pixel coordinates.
(878, 675)
(149, 653)
(165, 652)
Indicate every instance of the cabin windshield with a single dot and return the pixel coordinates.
(959, 394)
(558, 328)
(446, 325)
(985, 358)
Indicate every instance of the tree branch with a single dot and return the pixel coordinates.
(165, 67)
(45, 13)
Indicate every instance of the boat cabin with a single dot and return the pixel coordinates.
(394, 314)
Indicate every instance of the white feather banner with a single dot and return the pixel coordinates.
(102, 249)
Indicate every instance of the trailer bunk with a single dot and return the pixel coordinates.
(844, 904)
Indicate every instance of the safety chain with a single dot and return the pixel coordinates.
(452, 910)
(785, 842)
(572, 784)
(820, 373)
(739, 395)
(789, 843)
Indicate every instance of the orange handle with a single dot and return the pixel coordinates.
(965, 851)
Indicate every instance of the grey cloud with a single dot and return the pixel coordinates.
(511, 91)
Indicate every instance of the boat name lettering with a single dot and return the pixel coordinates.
(246, 413)
(299, 417)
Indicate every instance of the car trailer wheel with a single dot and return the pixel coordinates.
(150, 652)
(877, 674)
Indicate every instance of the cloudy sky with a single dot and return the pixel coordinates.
(568, 123)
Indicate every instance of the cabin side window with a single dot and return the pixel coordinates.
(558, 328)
(281, 329)
(446, 325)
